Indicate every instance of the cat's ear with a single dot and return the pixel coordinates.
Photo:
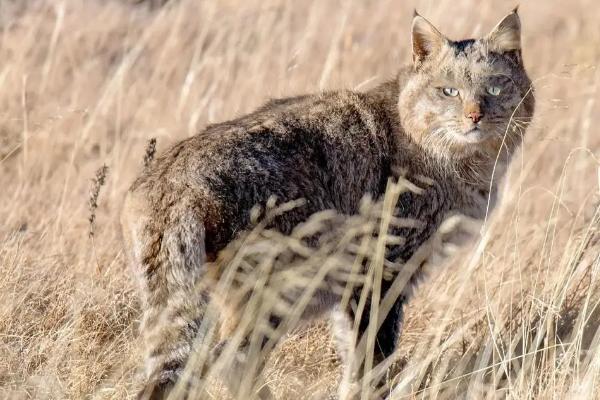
(426, 39)
(506, 36)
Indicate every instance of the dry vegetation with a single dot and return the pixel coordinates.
(89, 82)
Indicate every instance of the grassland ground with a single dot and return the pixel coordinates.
(86, 83)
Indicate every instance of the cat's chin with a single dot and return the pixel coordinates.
(472, 136)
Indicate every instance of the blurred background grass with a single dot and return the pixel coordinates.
(88, 82)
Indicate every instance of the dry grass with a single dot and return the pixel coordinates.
(89, 82)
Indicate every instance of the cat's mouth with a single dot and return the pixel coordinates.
(473, 135)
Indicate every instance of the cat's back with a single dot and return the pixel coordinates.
(299, 130)
(329, 149)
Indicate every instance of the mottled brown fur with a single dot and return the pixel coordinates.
(330, 149)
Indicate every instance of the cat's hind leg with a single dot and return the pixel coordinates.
(167, 257)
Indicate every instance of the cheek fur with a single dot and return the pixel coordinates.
(429, 118)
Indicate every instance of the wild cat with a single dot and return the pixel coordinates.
(454, 118)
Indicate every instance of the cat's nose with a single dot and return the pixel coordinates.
(475, 116)
(473, 112)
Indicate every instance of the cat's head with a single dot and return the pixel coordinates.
(467, 98)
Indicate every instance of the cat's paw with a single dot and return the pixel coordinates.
(349, 391)
(454, 234)
(160, 378)
(156, 389)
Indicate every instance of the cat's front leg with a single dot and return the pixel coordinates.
(352, 353)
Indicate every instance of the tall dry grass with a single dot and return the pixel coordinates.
(89, 82)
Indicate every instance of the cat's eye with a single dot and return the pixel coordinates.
(450, 91)
(494, 90)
